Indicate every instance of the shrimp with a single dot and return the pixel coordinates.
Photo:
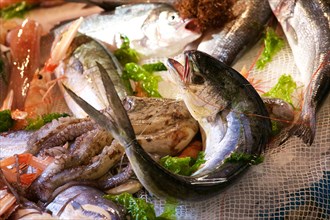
(39, 97)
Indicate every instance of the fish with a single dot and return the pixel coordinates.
(79, 72)
(248, 106)
(112, 4)
(13, 143)
(154, 30)
(84, 202)
(228, 43)
(306, 25)
(229, 111)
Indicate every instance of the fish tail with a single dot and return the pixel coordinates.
(303, 128)
(116, 121)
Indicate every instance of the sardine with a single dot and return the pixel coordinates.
(306, 25)
(79, 72)
(239, 100)
(229, 42)
(153, 29)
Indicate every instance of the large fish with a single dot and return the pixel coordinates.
(229, 42)
(153, 29)
(233, 99)
(306, 25)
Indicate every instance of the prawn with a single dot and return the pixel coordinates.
(39, 98)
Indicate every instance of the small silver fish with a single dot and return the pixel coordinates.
(306, 25)
(153, 29)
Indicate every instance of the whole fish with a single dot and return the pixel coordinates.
(229, 42)
(79, 72)
(153, 29)
(306, 25)
(229, 97)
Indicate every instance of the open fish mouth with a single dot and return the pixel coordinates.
(193, 25)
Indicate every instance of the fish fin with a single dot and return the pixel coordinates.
(116, 121)
(304, 128)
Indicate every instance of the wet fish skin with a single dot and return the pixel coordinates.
(228, 109)
(84, 202)
(228, 43)
(155, 178)
(153, 29)
(81, 74)
(112, 4)
(306, 25)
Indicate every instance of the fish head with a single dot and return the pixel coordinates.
(283, 9)
(164, 28)
(196, 80)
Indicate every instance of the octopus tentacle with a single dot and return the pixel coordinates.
(58, 132)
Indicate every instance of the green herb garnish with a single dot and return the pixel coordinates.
(273, 44)
(154, 67)
(183, 166)
(283, 89)
(149, 81)
(15, 10)
(244, 157)
(125, 54)
(6, 121)
(139, 209)
(35, 124)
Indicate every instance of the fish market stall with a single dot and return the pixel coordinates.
(115, 110)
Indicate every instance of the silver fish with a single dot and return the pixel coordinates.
(229, 42)
(306, 25)
(240, 107)
(153, 29)
(112, 4)
(229, 111)
(83, 202)
(78, 71)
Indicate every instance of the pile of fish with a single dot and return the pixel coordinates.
(113, 137)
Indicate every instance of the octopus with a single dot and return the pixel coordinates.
(84, 153)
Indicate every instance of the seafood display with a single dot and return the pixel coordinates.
(79, 130)
(217, 173)
(306, 26)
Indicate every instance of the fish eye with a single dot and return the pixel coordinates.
(173, 18)
(39, 76)
(197, 79)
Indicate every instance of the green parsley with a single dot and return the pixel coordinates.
(183, 166)
(139, 209)
(15, 10)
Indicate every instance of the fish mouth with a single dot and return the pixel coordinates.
(193, 25)
(181, 70)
